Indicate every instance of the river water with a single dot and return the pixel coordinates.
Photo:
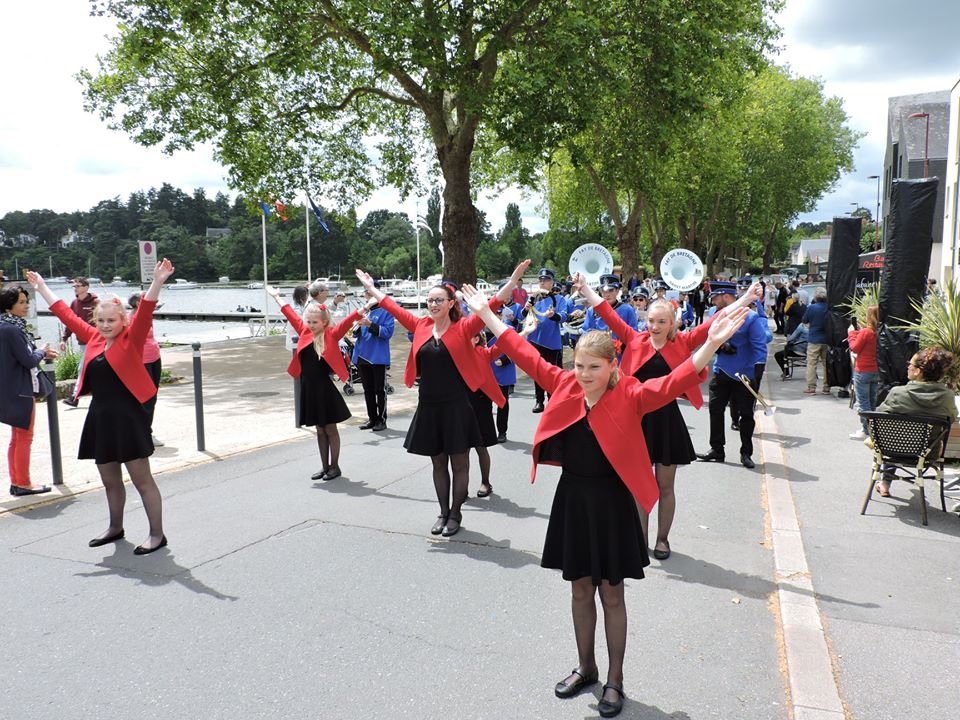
(211, 299)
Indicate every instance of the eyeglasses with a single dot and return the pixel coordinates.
(436, 301)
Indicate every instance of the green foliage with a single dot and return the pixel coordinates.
(864, 298)
(67, 365)
(938, 325)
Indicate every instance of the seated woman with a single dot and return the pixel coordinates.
(924, 394)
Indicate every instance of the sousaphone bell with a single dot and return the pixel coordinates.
(681, 269)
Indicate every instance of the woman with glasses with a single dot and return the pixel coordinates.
(443, 354)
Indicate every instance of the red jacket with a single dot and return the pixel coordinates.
(331, 338)
(615, 419)
(458, 339)
(125, 354)
(864, 343)
(639, 348)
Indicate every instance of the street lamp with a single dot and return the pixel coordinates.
(876, 220)
(926, 140)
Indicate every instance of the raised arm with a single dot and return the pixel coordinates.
(406, 318)
(84, 331)
(344, 326)
(505, 292)
(161, 273)
(511, 344)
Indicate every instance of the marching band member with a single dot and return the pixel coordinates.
(590, 428)
(371, 355)
(317, 355)
(740, 356)
(648, 355)
(550, 311)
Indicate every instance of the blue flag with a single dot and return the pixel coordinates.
(316, 211)
(264, 208)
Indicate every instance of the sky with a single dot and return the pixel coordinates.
(55, 155)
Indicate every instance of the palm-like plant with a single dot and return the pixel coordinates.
(938, 325)
(865, 297)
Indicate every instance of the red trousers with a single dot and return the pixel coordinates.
(18, 454)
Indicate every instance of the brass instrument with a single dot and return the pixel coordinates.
(768, 409)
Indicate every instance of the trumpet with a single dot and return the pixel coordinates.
(768, 409)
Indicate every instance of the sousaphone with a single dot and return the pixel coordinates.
(681, 269)
(591, 260)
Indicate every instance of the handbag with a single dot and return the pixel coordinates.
(45, 386)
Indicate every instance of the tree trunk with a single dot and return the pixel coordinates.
(628, 240)
(461, 223)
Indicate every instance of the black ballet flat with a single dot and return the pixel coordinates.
(485, 493)
(439, 524)
(580, 682)
(662, 554)
(97, 542)
(322, 475)
(141, 550)
(19, 491)
(611, 709)
(332, 473)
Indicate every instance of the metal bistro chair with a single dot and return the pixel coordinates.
(913, 444)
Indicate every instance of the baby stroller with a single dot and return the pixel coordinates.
(346, 347)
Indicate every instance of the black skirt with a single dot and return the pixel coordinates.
(664, 430)
(594, 529)
(444, 421)
(320, 401)
(117, 428)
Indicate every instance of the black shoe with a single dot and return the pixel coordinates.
(662, 554)
(734, 425)
(501, 437)
(32, 490)
(712, 456)
(332, 473)
(97, 542)
(538, 408)
(608, 708)
(321, 475)
(563, 689)
(439, 525)
(141, 550)
(484, 493)
(747, 461)
(380, 426)
(452, 527)
(72, 402)
(367, 425)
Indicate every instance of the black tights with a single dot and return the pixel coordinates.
(328, 440)
(583, 605)
(459, 463)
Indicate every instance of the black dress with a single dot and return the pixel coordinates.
(483, 409)
(117, 428)
(665, 431)
(320, 402)
(594, 529)
(444, 421)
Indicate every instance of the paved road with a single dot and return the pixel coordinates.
(283, 598)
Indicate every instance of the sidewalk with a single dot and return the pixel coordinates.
(279, 597)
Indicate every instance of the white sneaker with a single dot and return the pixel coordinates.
(858, 435)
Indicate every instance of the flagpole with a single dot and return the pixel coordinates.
(266, 294)
(306, 216)
(416, 224)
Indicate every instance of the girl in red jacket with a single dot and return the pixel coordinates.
(117, 429)
(444, 356)
(866, 377)
(591, 429)
(316, 356)
(650, 354)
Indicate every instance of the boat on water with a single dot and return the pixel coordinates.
(334, 284)
(181, 284)
(61, 280)
(255, 286)
(223, 279)
(94, 281)
(118, 281)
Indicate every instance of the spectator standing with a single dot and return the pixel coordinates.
(866, 378)
(371, 355)
(82, 306)
(815, 318)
